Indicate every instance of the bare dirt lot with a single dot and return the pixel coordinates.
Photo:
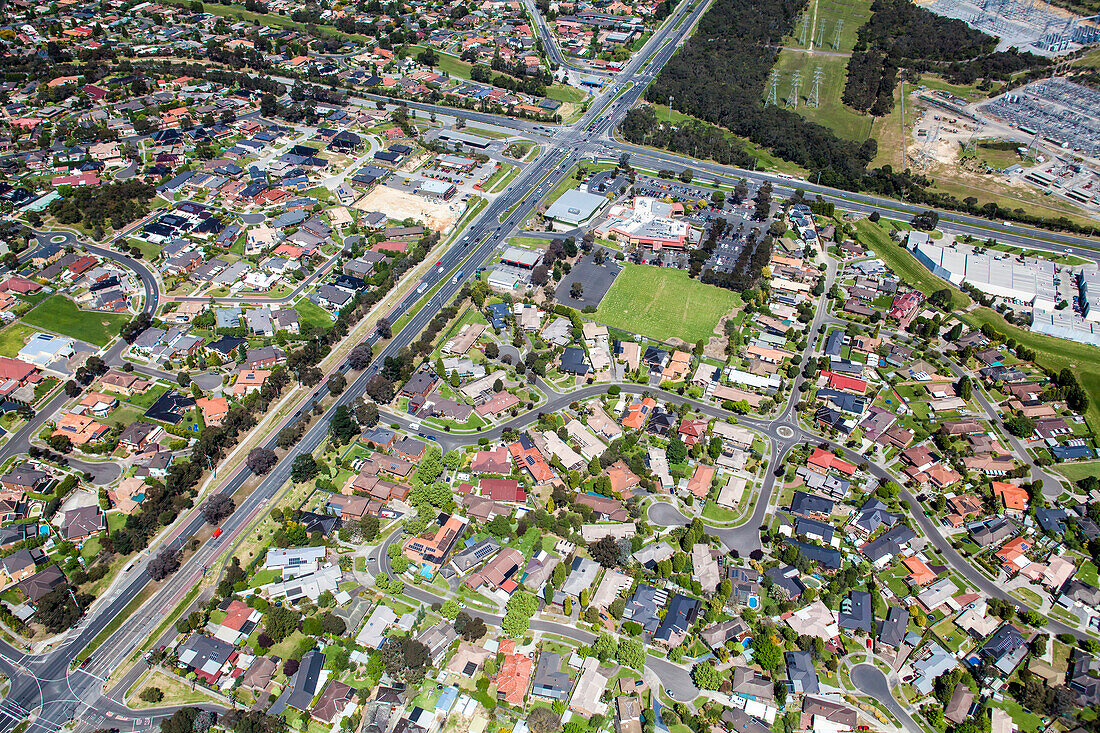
(400, 205)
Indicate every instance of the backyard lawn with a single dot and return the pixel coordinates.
(664, 303)
(60, 315)
(13, 338)
(313, 314)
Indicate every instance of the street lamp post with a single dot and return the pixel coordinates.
(670, 110)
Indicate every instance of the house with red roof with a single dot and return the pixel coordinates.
(514, 676)
(20, 285)
(15, 373)
(823, 461)
(638, 412)
(528, 458)
(845, 383)
(503, 489)
(1013, 555)
(699, 483)
(1013, 497)
(693, 431)
(491, 461)
(240, 621)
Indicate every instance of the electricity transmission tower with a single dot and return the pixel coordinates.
(815, 89)
(820, 35)
(1033, 147)
(773, 89)
(796, 83)
(836, 35)
(972, 144)
(804, 31)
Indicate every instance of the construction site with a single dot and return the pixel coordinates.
(1029, 25)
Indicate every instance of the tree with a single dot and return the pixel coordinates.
(336, 383)
(342, 426)
(367, 414)
(576, 290)
(380, 389)
(631, 652)
(181, 721)
(384, 329)
(360, 356)
(152, 694)
(60, 443)
(543, 720)
(519, 610)
(965, 387)
(163, 565)
(705, 676)
(217, 508)
(1020, 425)
(58, 611)
(766, 653)
(261, 460)
(304, 468)
(676, 450)
(499, 526)
(280, 622)
(473, 629)
(605, 551)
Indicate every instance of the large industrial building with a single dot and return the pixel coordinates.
(1089, 285)
(1024, 279)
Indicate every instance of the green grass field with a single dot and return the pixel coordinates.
(768, 161)
(13, 338)
(831, 112)
(312, 314)
(60, 315)
(1077, 471)
(664, 303)
(824, 14)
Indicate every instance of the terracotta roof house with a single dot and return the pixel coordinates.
(492, 461)
(503, 489)
(622, 478)
(1013, 497)
(80, 429)
(214, 410)
(515, 674)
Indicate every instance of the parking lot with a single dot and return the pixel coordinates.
(595, 279)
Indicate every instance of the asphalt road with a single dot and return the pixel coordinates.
(872, 682)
